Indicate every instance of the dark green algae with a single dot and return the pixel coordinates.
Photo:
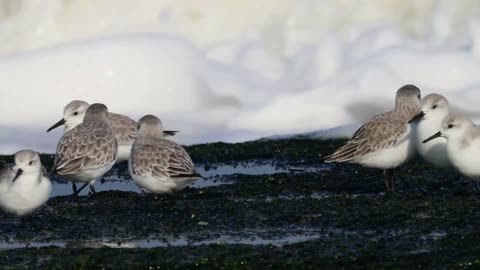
(432, 221)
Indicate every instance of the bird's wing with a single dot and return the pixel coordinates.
(124, 128)
(381, 132)
(163, 159)
(82, 148)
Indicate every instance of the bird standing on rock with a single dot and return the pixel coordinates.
(386, 141)
(157, 164)
(24, 186)
(89, 150)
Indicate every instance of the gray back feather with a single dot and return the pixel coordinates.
(87, 146)
(161, 158)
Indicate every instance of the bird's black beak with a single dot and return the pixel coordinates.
(19, 172)
(434, 136)
(170, 132)
(59, 123)
(417, 117)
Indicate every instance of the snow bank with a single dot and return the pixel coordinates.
(215, 74)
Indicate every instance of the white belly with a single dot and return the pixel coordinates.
(434, 151)
(159, 184)
(25, 195)
(90, 174)
(465, 160)
(391, 157)
(155, 185)
(123, 152)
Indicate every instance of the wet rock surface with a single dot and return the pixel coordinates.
(301, 213)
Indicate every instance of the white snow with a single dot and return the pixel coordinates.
(230, 70)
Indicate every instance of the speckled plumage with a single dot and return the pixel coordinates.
(162, 158)
(383, 131)
(123, 127)
(157, 164)
(89, 150)
(386, 141)
(86, 146)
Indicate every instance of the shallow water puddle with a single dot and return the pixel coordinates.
(249, 238)
(278, 238)
(213, 174)
(256, 167)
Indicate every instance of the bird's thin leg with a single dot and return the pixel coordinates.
(385, 173)
(390, 179)
(80, 190)
(74, 188)
(92, 188)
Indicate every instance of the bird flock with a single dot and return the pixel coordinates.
(415, 126)
(95, 139)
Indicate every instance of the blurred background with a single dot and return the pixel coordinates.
(230, 70)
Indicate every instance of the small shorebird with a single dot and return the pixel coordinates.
(89, 150)
(434, 110)
(384, 142)
(156, 164)
(463, 144)
(24, 186)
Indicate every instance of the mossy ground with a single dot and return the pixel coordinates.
(432, 221)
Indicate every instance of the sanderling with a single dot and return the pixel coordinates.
(124, 127)
(24, 186)
(156, 164)
(89, 150)
(385, 142)
(463, 144)
(434, 110)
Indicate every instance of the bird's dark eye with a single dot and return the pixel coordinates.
(419, 96)
(434, 107)
(450, 126)
(75, 113)
(30, 163)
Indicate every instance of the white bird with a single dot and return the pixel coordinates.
(156, 164)
(434, 110)
(385, 142)
(24, 186)
(89, 150)
(463, 144)
(123, 127)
